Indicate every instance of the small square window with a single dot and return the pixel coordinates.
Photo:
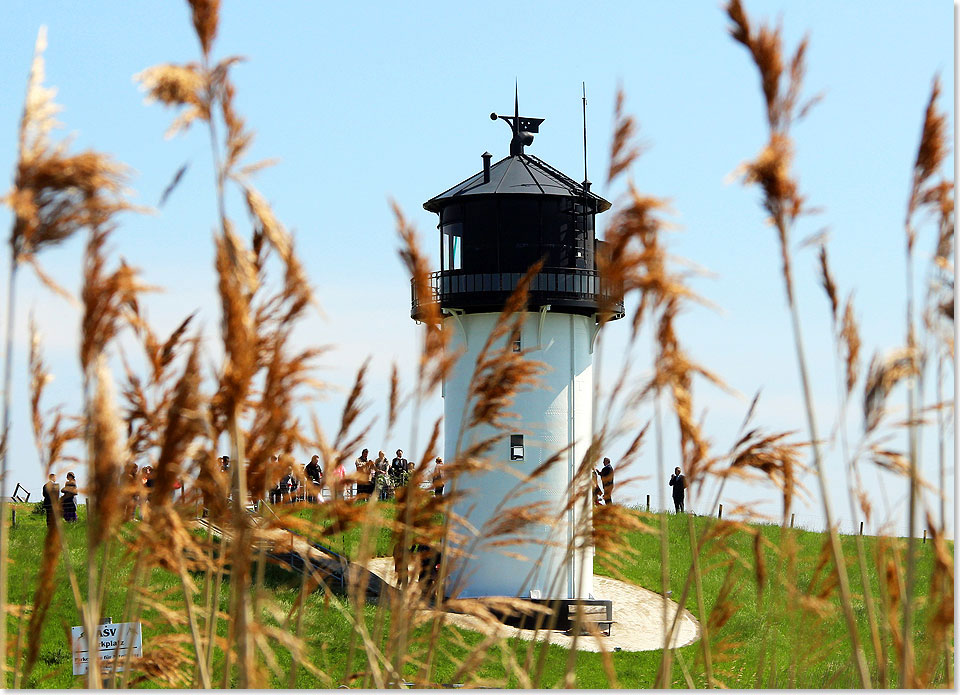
(516, 447)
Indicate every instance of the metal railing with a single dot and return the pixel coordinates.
(452, 287)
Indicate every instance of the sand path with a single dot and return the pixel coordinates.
(637, 614)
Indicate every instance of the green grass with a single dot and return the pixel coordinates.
(763, 643)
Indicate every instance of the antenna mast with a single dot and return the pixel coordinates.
(585, 180)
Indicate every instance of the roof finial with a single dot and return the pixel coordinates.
(516, 108)
(523, 128)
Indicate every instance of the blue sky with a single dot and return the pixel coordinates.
(366, 102)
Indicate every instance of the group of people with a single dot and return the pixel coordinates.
(308, 483)
(139, 482)
(603, 486)
(372, 476)
(67, 497)
(378, 476)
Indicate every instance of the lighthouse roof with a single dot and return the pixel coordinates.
(517, 174)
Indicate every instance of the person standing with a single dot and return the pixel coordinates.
(398, 467)
(365, 480)
(338, 476)
(226, 476)
(51, 491)
(289, 485)
(313, 473)
(606, 478)
(597, 491)
(361, 465)
(147, 478)
(380, 475)
(679, 483)
(68, 503)
(438, 478)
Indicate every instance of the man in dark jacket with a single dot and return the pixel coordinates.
(679, 483)
(313, 473)
(398, 469)
(606, 478)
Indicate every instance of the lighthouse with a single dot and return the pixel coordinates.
(493, 227)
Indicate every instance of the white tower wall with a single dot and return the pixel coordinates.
(550, 417)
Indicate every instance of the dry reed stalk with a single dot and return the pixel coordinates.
(695, 549)
(162, 540)
(212, 604)
(784, 203)
(778, 461)
(890, 599)
(663, 292)
(847, 348)
(644, 272)
(54, 195)
(20, 611)
(50, 442)
(356, 590)
(664, 670)
(188, 590)
(254, 334)
(942, 598)
(434, 366)
(498, 375)
(105, 454)
(104, 297)
(49, 561)
(930, 155)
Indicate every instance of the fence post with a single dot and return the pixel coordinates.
(648, 503)
(924, 535)
(791, 519)
(720, 512)
(13, 517)
(861, 528)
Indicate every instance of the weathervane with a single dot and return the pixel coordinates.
(523, 128)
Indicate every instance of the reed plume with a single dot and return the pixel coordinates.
(931, 152)
(783, 202)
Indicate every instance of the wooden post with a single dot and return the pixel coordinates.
(861, 528)
(924, 535)
(720, 512)
(791, 519)
(13, 517)
(648, 503)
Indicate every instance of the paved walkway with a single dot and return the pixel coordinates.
(637, 614)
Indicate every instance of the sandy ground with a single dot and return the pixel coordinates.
(637, 613)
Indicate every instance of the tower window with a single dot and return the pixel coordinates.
(452, 243)
(516, 447)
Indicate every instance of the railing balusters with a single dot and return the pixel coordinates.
(569, 283)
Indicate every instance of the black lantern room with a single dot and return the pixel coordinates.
(513, 213)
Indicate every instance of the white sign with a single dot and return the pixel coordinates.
(126, 636)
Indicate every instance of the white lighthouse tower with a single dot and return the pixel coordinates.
(493, 227)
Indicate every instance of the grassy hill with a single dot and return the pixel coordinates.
(763, 642)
